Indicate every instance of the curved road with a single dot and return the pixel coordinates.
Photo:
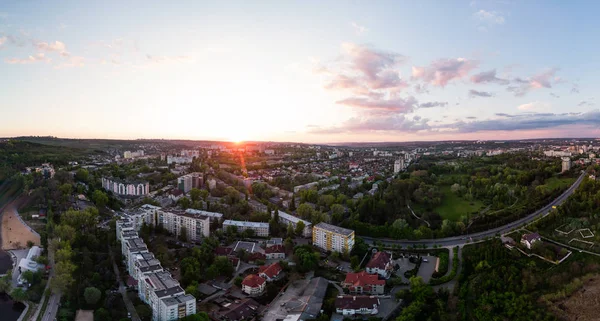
(474, 237)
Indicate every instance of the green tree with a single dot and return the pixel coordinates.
(305, 211)
(306, 258)
(82, 175)
(195, 194)
(18, 294)
(300, 228)
(184, 202)
(99, 198)
(102, 315)
(92, 295)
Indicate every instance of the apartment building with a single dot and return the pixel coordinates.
(212, 215)
(175, 308)
(155, 286)
(145, 263)
(259, 228)
(333, 238)
(195, 227)
(189, 181)
(287, 219)
(133, 247)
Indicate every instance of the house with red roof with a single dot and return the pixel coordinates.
(381, 263)
(253, 284)
(363, 282)
(270, 272)
(256, 256)
(529, 239)
(275, 252)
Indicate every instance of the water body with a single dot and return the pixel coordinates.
(9, 309)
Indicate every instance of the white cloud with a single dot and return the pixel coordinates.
(534, 105)
(489, 17)
(359, 29)
(56, 46)
(40, 57)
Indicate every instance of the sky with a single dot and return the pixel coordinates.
(302, 71)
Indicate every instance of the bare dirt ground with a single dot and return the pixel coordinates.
(584, 304)
(15, 234)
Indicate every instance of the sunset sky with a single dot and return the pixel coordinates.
(308, 71)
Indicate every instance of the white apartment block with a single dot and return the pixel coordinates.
(259, 228)
(287, 219)
(333, 238)
(146, 263)
(123, 188)
(156, 287)
(212, 215)
(195, 226)
(398, 165)
(133, 247)
(175, 308)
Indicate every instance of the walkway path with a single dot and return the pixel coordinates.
(123, 289)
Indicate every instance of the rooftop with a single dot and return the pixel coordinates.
(176, 300)
(249, 247)
(334, 229)
(253, 281)
(379, 260)
(163, 284)
(205, 213)
(292, 218)
(246, 224)
(136, 244)
(349, 302)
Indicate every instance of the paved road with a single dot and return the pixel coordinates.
(54, 300)
(123, 289)
(474, 237)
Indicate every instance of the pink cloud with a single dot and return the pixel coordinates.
(441, 72)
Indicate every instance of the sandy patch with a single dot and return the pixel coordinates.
(15, 233)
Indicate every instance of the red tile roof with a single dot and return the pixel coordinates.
(271, 271)
(223, 251)
(362, 279)
(275, 249)
(253, 281)
(379, 260)
(256, 256)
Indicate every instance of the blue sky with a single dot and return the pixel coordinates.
(308, 71)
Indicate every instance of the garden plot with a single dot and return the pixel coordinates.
(586, 233)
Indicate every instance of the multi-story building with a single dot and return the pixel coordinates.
(398, 165)
(275, 252)
(333, 238)
(189, 181)
(381, 263)
(156, 287)
(287, 219)
(362, 282)
(179, 159)
(145, 263)
(134, 247)
(566, 164)
(259, 228)
(194, 226)
(124, 188)
(212, 215)
(177, 307)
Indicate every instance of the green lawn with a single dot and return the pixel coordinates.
(555, 182)
(453, 206)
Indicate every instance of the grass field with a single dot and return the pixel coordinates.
(556, 182)
(453, 206)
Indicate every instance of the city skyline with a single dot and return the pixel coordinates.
(302, 72)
